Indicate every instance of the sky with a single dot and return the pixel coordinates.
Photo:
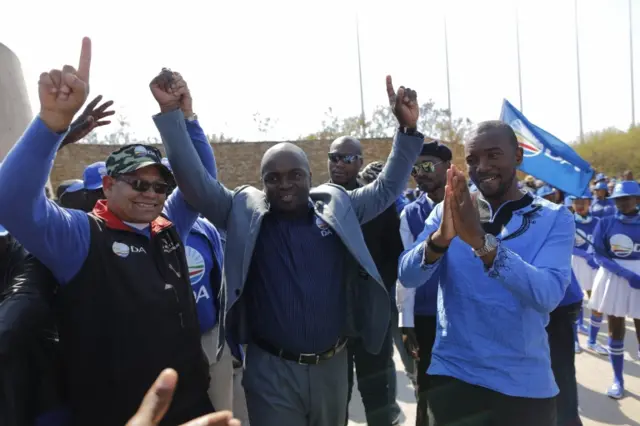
(292, 60)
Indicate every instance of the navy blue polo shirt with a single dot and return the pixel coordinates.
(295, 285)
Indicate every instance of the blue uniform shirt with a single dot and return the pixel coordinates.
(426, 296)
(204, 258)
(618, 237)
(602, 208)
(491, 322)
(295, 286)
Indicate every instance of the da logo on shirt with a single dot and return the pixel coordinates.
(196, 265)
(526, 140)
(120, 249)
(621, 245)
(323, 227)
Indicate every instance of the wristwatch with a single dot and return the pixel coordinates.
(192, 117)
(490, 244)
(410, 131)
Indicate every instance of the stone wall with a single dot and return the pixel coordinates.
(238, 163)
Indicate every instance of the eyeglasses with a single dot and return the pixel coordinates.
(425, 166)
(140, 185)
(334, 157)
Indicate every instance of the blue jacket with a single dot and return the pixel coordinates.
(491, 322)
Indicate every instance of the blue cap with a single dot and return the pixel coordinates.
(626, 188)
(93, 174)
(3, 231)
(165, 162)
(545, 190)
(601, 186)
(600, 177)
(586, 195)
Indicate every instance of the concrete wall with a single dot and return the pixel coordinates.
(238, 163)
(15, 109)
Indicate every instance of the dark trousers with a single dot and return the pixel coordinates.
(454, 402)
(373, 376)
(425, 329)
(561, 344)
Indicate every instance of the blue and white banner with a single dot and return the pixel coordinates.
(546, 157)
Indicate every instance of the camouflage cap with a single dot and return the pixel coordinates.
(130, 158)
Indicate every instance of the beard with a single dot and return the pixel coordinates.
(503, 187)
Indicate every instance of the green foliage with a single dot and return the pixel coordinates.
(433, 122)
(612, 151)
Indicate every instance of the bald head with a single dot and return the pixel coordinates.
(284, 150)
(346, 144)
(286, 178)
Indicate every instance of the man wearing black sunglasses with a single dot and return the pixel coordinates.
(383, 241)
(418, 307)
(125, 305)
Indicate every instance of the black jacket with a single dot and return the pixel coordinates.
(128, 314)
(30, 363)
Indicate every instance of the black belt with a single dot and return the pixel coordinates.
(307, 359)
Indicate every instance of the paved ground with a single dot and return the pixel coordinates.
(594, 376)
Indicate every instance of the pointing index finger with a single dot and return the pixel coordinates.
(391, 93)
(85, 60)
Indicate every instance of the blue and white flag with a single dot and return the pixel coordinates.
(546, 157)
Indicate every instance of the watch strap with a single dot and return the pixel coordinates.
(410, 131)
(490, 244)
(192, 117)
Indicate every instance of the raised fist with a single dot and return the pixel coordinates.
(404, 105)
(171, 92)
(62, 93)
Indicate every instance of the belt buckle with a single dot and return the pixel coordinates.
(317, 357)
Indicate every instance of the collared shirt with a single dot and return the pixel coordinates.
(295, 286)
(491, 322)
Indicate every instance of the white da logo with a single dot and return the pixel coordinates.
(622, 246)
(120, 249)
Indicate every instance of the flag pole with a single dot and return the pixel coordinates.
(633, 102)
(446, 56)
(575, 7)
(362, 116)
(519, 67)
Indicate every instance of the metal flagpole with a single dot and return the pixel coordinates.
(446, 55)
(519, 67)
(575, 6)
(633, 102)
(362, 116)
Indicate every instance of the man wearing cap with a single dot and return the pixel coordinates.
(92, 180)
(417, 307)
(126, 309)
(70, 194)
(377, 387)
(616, 288)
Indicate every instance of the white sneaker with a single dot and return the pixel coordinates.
(597, 348)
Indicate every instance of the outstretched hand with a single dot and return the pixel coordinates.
(158, 399)
(404, 105)
(90, 118)
(63, 92)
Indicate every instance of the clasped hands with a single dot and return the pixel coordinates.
(459, 214)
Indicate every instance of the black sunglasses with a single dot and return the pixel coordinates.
(425, 166)
(334, 157)
(140, 185)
